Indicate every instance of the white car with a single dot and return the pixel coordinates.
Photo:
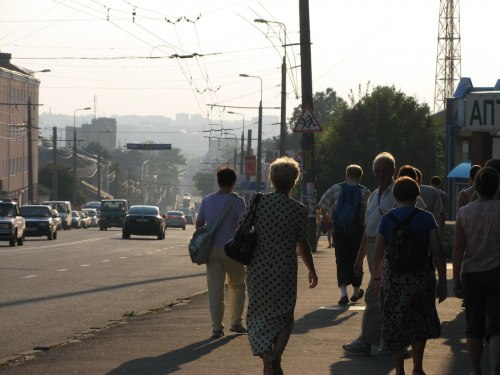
(92, 213)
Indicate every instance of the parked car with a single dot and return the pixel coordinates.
(145, 221)
(39, 221)
(76, 220)
(64, 209)
(85, 219)
(94, 218)
(57, 219)
(175, 219)
(113, 211)
(12, 224)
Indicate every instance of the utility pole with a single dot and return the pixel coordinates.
(309, 187)
(249, 153)
(54, 163)
(30, 154)
(283, 107)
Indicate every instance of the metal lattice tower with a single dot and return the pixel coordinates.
(449, 60)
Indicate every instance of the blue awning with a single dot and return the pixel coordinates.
(461, 170)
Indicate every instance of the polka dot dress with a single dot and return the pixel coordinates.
(272, 274)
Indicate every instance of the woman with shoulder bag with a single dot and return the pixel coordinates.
(281, 224)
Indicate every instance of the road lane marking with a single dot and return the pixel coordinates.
(346, 308)
(105, 261)
(66, 244)
(150, 252)
(29, 277)
(159, 250)
(62, 270)
(84, 265)
(123, 257)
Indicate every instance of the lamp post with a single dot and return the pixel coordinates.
(74, 152)
(258, 178)
(99, 165)
(242, 140)
(283, 89)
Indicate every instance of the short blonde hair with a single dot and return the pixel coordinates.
(284, 173)
(354, 170)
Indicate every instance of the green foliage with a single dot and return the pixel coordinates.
(64, 181)
(95, 148)
(383, 120)
(204, 182)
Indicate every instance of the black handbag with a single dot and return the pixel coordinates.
(241, 247)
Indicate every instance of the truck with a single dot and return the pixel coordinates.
(12, 224)
(64, 210)
(113, 211)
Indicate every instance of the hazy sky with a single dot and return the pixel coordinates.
(100, 48)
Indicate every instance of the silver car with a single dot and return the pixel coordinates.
(175, 219)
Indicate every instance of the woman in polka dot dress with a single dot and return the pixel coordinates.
(281, 224)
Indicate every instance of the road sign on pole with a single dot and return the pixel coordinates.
(307, 122)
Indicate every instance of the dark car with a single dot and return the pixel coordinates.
(175, 219)
(189, 219)
(144, 221)
(40, 221)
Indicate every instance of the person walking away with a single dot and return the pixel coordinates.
(407, 286)
(348, 203)
(465, 195)
(437, 183)
(476, 269)
(432, 200)
(219, 266)
(379, 202)
(282, 227)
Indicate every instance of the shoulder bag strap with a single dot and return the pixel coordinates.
(251, 212)
(225, 211)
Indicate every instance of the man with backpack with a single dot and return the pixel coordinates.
(348, 202)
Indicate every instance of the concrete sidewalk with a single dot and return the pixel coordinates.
(177, 340)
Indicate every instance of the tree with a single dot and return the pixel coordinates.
(64, 181)
(383, 120)
(204, 182)
(325, 107)
(95, 148)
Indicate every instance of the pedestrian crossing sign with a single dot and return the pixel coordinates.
(307, 122)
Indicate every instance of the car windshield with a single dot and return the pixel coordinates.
(91, 213)
(174, 213)
(113, 206)
(34, 211)
(140, 210)
(7, 210)
(74, 214)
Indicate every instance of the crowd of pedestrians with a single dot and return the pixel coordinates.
(397, 228)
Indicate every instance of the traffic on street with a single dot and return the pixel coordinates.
(85, 279)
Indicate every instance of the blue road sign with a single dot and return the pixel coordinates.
(149, 146)
(252, 185)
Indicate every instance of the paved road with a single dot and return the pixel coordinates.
(53, 289)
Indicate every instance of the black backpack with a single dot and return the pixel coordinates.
(404, 253)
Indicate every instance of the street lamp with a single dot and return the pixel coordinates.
(74, 152)
(242, 139)
(283, 89)
(258, 178)
(99, 165)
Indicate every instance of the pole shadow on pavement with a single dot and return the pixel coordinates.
(171, 362)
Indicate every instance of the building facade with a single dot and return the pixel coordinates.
(18, 88)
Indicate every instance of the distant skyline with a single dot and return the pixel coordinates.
(123, 53)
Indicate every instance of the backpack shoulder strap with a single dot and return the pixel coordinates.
(412, 214)
(392, 217)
